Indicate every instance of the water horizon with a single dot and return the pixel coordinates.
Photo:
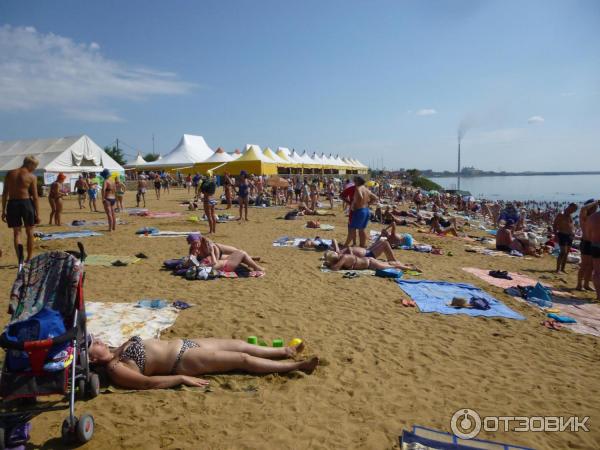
(545, 188)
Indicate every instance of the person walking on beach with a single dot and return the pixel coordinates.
(55, 199)
(564, 228)
(243, 193)
(92, 192)
(208, 189)
(109, 198)
(141, 192)
(584, 275)
(20, 206)
(592, 231)
(361, 213)
(81, 187)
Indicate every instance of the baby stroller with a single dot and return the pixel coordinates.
(46, 347)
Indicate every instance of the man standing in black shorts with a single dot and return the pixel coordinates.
(565, 231)
(20, 202)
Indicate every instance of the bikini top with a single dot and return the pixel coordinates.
(135, 352)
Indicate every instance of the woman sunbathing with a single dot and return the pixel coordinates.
(374, 251)
(441, 226)
(303, 210)
(157, 364)
(336, 261)
(219, 256)
(396, 239)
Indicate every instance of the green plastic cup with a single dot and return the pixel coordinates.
(252, 340)
(277, 342)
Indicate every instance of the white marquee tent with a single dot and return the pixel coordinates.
(190, 150)
(72, 154)
(137, 162)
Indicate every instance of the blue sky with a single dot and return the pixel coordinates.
(387, 82)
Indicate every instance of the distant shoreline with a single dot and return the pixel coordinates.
(508, 174)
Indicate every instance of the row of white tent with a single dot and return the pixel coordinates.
(194, 150)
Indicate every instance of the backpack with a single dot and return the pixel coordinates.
(480, 303)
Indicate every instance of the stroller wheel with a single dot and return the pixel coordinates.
(85, 429)
(94, 385)
(81, 389)
(66, 432)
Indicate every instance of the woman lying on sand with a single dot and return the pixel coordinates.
(374, 251)
(158, 364)
(396, 239)
(303, 210)
(336, 261)
(220, 256)
(441, 226)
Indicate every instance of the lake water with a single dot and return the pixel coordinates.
(561, 188)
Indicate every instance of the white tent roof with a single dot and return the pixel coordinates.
(191, 149)
(306, 159)
(138, 161)
(285, 150)
(296, 157)
(68, 154)
(317, 159)
(219, 156)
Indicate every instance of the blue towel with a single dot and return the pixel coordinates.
(562, 319)
(441, 440)
(69, 235)
(435, 296)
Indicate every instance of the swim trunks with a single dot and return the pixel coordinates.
(564, 239)
(585, 247)
(595, 249)
(80, 191)
(93, 193)
(20, 212)
(360, 218)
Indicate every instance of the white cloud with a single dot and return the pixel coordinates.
(50, 71)
(535, 119)
(426, 112)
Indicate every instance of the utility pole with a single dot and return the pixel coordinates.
(458, 164)
(153, 143)
(117, 145)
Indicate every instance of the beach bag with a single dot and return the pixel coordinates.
(389, 273)
(47, 323)
(480, 303)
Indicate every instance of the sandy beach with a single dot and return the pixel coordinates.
(384, 367)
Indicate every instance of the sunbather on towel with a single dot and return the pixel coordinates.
(336, 261)
(315, 244)
(219, 256)
(303, 210)
(396, 239)
(374, 251)
(441, 226)
(158, 364)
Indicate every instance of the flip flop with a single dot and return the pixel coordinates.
(141, 256)
(350, 275)
(119, 263)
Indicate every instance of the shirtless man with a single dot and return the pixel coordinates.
(565, 230)
(20, 205)
(141, 192)
(584, 275)
(592, 232)
(361, 213)
(504, 237)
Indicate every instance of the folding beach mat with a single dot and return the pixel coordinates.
(67, 235)
(436, 296)
(422, 438)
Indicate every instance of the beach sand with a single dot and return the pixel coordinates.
(384, 367)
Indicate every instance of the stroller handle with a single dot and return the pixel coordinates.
(7, 343)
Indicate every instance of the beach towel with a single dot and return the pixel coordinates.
(323, 227)
(488, 251)
(436, 296)
(517, 278)
(286, 241)
(115, 323)
(169, 234)
(94, 223)
(108, 260)
(135, 211)
(585, 313)
(366, 272)
(159, 214)
(422, 438)
(66, 235)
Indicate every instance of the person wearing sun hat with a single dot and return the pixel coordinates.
(55, 199)
(109, 198)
